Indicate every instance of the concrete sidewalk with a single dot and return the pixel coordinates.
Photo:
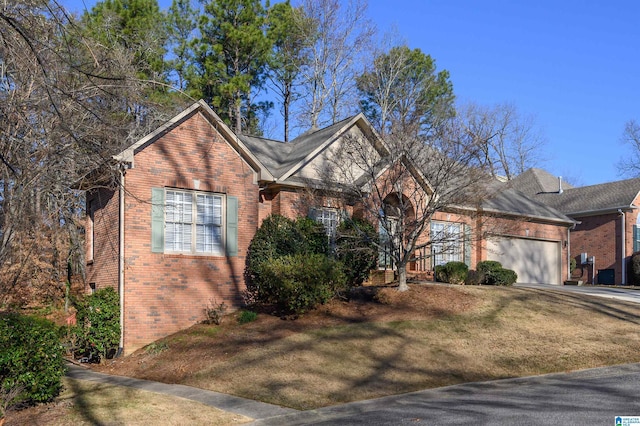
(246, 407)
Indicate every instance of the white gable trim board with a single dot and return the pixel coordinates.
(535, 261)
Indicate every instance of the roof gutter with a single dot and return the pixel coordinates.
(570, 222)
(625, 208)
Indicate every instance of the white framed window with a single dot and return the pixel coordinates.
(193, 222)
(329, 218)
(389, 239)
(446, 242)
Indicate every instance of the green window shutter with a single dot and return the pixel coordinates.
(313, 213)
(467, 245)
(232, 226)
(636, 231)
(157, 220)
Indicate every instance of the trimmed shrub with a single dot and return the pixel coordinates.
(452, 272)
(505, 277)
(473, 278)
(491, 272)
(634, 269)
(357, 250)
(31, 360)
(280, 236)
(311, 235)
(98, 319)
(299, 282)
(439, 274)
(486, 266)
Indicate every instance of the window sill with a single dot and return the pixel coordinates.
(193, 255)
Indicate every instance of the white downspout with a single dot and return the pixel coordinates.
(623, 265)
(568, 254)
(121, 261)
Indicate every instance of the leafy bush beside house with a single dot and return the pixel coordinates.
(452, 272)
(271, 281)
(356, 248)
(31, 360)
(634, 269)
(299, 282)
(491, 272)
(280, 236)
(98, 326)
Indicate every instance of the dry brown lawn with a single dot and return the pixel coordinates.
(89, 403)
(390, 342)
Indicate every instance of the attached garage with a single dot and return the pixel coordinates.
(535, 261)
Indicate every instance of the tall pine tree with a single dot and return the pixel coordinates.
(291, 33)
(230, 60)
(137, 25)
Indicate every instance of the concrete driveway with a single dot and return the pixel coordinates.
(631, 294)
(588, 397)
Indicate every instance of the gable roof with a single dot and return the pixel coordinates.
(573, 201)
(277, 161)
(592, 199)
(127, 155)
(535, 181)
(284, 159)
(510, 201)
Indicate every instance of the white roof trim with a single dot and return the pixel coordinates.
(127, 155)
(330, 140)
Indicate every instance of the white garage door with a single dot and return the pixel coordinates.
(534, 261)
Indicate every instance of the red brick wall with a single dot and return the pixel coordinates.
(168, 292)
(103, 269)
(601, 236)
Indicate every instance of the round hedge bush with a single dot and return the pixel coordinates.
(279, 236)
(452, 272)
(296, 283)
(491, 272)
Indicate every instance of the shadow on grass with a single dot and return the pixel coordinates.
(346, 357)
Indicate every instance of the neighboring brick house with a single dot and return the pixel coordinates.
(173, 235)
(605, 234)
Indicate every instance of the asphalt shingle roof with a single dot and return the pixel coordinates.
(511, 201)
(537, 184)
(604, 196)
(280, 157)
(535, 181)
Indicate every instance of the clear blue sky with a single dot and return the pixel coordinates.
(574, 65)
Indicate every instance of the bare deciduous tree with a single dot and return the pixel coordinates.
(67, 104)
(342, 35)
(509, 142)
(629, 165)
(400, 183)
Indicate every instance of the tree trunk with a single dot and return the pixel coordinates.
(402, 278)
(285, 104)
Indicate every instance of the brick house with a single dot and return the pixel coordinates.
(606, 215)
(173, 234)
